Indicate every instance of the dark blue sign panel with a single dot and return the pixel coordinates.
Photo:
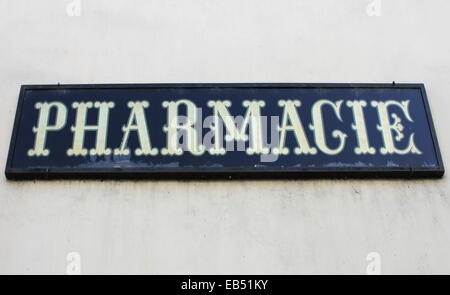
(223, 130)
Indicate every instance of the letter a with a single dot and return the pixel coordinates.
(137, 115)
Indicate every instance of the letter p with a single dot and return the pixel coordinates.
(43, 126)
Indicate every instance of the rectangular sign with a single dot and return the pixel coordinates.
(223, 131)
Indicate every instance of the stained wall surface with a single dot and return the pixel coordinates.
(222, 227)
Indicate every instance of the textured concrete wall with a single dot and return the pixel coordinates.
(264, 227)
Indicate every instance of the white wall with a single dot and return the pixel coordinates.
(221, 227)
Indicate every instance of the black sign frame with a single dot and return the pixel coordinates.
(222, 173)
